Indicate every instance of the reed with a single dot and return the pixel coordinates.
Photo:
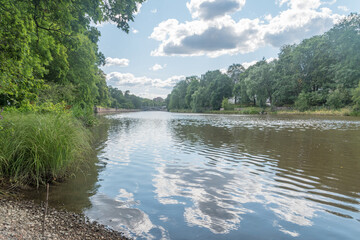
(39, 148)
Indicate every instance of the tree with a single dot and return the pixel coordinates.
(344, 43)
(287, 80)
(234, 72)
(199, 101)
(217, 86)
(48, 44)
(193, 85)
(178, 95)
(260, 82)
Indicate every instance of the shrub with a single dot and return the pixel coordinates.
(226, 105)
(356, 99)
(305, 101)
(38, 148)
(338, 98)
(85, 113)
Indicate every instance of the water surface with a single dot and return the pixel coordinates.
(189, 176)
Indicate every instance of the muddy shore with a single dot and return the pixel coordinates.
(23, 219)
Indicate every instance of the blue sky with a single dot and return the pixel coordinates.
(172, 39)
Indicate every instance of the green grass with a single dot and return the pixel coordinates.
(181, 110)
(320, 111)
(347, 111)
(39, 148)
(246, 110)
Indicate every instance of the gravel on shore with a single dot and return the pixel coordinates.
(22, 219)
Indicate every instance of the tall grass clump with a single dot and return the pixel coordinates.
(38, 148)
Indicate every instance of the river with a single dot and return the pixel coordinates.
(159, 175)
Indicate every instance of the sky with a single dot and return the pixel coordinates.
(172, 39)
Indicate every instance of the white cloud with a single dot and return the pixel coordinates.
(168, 83)
(221, 34)
(343, 8)
(270, 59)
(138, 6)
(134, 31)
(122, 62)
(154, 11)
(117, 79)
(246, 65)
(143, 86)
(215, 38)
(223, 70)
(295, 24)
(210, 9)
(126, 79)
(301, 4)
(157, 67)
(331, 2)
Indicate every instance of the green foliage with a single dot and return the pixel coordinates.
(39, 148)
(338, 98)
(46, 107)
(57, 93)
(260, 82)
(49, 63)
(226, 105)
(193, 85)
(288, 84)
(306, 101)
(198, 103)
(85, 113)
(302, 103)
(202, 95)
(49, 52)
(356, 98)
(247, 110)
(252, 110)
(130, 101)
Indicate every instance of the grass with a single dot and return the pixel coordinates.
(39, 148)
(246, 110)
(321, 111)
(181, 111)
(347, 111)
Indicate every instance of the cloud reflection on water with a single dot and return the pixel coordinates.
(121, 214)
(219, 173)
(218, 198)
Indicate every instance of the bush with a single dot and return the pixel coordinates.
(46, 107)
(356, 99)
(39, 148)
(251, 110)
(305, 101)
(85, 113)
(226, 105)
(302, 103)
(338, 98)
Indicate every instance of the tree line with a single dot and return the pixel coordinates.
(49, 53)
(322, 71)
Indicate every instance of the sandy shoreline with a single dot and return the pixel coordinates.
(22, 219)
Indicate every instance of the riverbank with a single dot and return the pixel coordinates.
(320, 112)
(100, 110)
(22, 219)
(279, 111)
